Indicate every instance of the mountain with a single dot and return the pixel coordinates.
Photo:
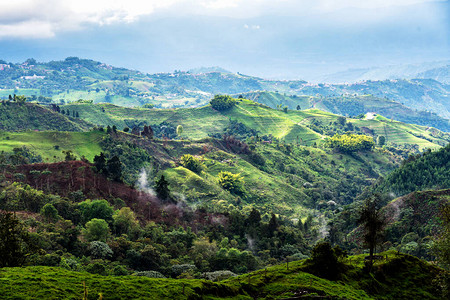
(439, 71)
(74, 79)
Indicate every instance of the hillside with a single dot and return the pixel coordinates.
(50, 144)
(420, 172)
(413, 222)
(353, 106)
(399, 277)
(288, 126)
(29, 116)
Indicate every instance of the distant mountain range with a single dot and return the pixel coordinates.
(439, 71)
(74, 78)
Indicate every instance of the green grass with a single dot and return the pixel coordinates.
(43, 143)
(399, 277)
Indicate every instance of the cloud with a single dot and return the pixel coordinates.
(46, 18)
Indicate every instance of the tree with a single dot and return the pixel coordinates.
(15, 244)
(441, 246)
(381, 140)
(192, 163)
(231, 182)
(69, 155)
(114, 167)
(162, 188)
(373, 222)
(97, 230)
(125, 220)
(298, 107)
(49, 212)
(99, 209)
(325, 260)
(100, 163)
(222, 102)
(147, 132)
(179, 130)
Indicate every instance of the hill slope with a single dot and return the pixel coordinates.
(29, 116)
(289, 126)
(352, 106)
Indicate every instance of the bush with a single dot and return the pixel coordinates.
(150, 274)
(69, 264)
(192, 163)
(97, 268)
(218, 275)
(231, 182)
(100, 250)
(351, 142)
(120, 271)
(222, 102)
(325, 260)
(177, 270)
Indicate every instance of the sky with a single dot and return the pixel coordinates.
(274, 39)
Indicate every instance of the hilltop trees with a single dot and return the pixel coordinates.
(222, 102)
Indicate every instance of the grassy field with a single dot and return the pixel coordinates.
(43, 143)
(399, 277)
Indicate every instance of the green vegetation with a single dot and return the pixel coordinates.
(400, 276)
(17, 116)
(222, 102)
(50, 144)
(419, 172)
(351, 143)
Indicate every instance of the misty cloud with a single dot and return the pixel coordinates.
(47, 18)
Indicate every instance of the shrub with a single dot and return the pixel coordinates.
(192, 163)
(97, 230)
(350, 142)
(120, 271)
(222, 102)
(100, 250)
(69, 264)
(325, 260)
(218, 275)
(150, 274)
(177, 270)
(97, 268)
(231, 182)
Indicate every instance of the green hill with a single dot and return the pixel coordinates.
(29, 116)
(421, 172)
(399, 277)
(288, 126)
(353, 106)
(50, 144)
